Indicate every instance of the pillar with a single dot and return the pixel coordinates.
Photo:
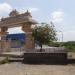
(3, 34)
(29, 41)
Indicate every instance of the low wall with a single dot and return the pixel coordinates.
(45, 58)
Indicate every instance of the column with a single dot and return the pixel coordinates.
(3, 34)
(29, 41)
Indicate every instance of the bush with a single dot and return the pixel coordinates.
(6, 60)
(70, 46)
(55, 44)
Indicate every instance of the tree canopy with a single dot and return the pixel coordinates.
(44, 34)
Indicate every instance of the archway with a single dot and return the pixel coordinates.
(15, 19)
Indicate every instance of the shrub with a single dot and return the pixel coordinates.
(6, 60)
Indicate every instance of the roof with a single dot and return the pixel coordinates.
(17, 20)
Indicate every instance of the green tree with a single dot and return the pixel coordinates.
(70, 46)
(44, 34)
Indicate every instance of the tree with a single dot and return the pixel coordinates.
(70, 46)
(44, 34)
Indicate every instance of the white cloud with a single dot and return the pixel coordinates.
(23, 10)
(15, 30)
(5, 8)
(57, 16)
(33, 9)
(67, 35)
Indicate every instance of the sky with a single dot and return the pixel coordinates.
(60, 12)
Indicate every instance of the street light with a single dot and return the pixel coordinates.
(61, 36)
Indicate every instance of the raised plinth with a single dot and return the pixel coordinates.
(45, 58)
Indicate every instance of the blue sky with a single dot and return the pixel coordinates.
(61, 12)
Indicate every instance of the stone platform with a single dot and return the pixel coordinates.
(11, 54)
(45, 58)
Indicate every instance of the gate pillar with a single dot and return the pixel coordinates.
(29, 41)
(3, 34)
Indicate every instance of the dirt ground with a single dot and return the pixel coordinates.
(17, 68)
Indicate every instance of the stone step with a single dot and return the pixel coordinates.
(12, 54)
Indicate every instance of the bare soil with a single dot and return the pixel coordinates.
(17, 68)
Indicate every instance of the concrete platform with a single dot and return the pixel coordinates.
(45, 58)
(12, 54)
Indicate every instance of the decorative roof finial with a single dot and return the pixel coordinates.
(13, 13)
(27, 13)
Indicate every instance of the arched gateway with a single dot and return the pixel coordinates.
(15, 19)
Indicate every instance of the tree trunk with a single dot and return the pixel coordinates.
(41, 48)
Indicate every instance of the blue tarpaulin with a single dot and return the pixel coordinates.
(17, 40)
(20, 36)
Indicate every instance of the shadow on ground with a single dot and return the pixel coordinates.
(71, 61)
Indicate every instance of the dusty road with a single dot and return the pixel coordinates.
(18, 68)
